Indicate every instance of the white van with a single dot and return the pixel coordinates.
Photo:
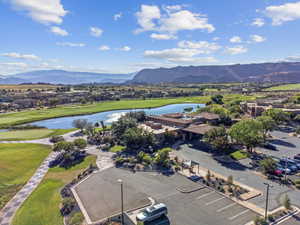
(152, 213)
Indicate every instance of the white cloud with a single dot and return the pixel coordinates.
(162, 36)
(125, 49)
(258, 22)
(96, 31)
(283, 13)
(185, 20)
(295, 58)
(235, 39)
(70, 44)
(59, 31)
(104, 48)
(14, 64)
(45, 12)
(16, 55)
(146, 16)
(216, 38)
(257, 38)
(172, 8)
(204, 47)
(179, 55)
(236, 50)
(151, 19)
(118, 16)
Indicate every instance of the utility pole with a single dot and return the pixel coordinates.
(267, 200)
(122, 202)
(285, 170)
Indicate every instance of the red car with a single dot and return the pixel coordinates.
(278, 172)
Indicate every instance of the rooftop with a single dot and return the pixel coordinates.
(199, 129)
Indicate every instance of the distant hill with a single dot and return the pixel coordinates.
(262, 72)
(64, 77)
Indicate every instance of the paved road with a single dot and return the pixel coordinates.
(14, 204)
(242, 174)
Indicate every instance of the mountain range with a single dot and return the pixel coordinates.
(287, 72)
(64, 77)
(261, 72)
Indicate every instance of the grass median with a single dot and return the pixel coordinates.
(32, 134)
(43, 205)
(18, 162)
(11, 119)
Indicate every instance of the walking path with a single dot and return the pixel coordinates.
(104, 161)
(9, 210)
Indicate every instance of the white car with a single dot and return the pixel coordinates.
(152, 213)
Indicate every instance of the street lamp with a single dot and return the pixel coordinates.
(122, 204)
(267, 200)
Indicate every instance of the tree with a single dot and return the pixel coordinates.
(62, 145)
(247, 132)
(278, 115)
(268, 165)
(217, 138)
(287, 202)
(80, 124)
(80, 143)
(118, 128)
(137, 138)
(162, 157)
(217, 99)
(268, 124)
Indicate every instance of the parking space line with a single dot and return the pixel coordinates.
(226, 207)
(239, 214)
(204, 195)
(216, 200)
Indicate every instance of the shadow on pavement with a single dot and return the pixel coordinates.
(282, 143)
(160, 221)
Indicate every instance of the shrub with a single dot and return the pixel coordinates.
(271, 218)
(287, 202)
(56, 138)
(76, 219)
(230, 180)
(80, 143)
(208, 176)
(68, 205)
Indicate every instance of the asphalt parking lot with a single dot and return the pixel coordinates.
(201, 207)
(294, 220)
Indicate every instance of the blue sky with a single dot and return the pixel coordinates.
(121, 36)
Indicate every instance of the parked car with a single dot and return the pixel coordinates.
(297, 157)
(153, 212)
(283, 169)
(278, 172)
(195, 178)
(269, 146)
(288, 164)
(294, 162)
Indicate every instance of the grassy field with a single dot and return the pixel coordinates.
(42, 207)
(10, 119)
(32, 134)
(117, 148)
(18, 163)
(287, 87)
(240, 154)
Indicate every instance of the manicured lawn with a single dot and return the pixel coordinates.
(19, 135)
(240, 154)
(117, 148)
(286, 87)
(18, 162)
(10, 119)
(42, 207)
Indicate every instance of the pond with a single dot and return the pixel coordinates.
(111, 116)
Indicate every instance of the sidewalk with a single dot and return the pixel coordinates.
(9, 210)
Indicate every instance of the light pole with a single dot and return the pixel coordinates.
(267, 200)
(122, 202)
(285, 170)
